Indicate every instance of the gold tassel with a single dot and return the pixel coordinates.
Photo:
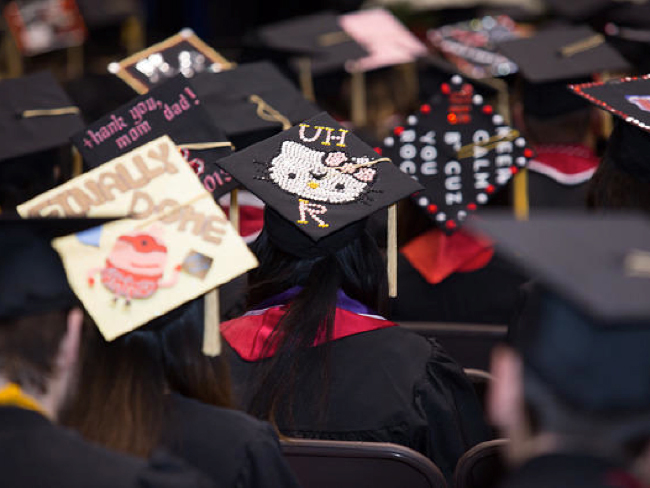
(391, 251)
(211, 334)
(268, 113)
(48, 112)
(234, 210)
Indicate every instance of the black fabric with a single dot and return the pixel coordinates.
(232, 448)
(35, 452)
(628, 148)
(427, 148)
(32, 277)
(171, 108)
(568, 471)
(577, 9)
(226, 96)
(544, 193)
(484, 296)
(552, 99)
(387, 385)
(21, 136)
(540, 58)
(284, 235)
(319, 176)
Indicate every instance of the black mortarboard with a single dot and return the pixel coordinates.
(586, 331)
(319, 178)
(563, 53)
(471, 45)
(35, 115)
(577, 9)
(97, 13)
(32, 277)
(318, 37)
(459, 150)
(171, 108)
(554, 58)
(252, 102)
(183, 53)
(629, 100)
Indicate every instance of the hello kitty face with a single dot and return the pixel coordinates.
(315, 175)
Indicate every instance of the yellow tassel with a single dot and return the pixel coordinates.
(12, 395)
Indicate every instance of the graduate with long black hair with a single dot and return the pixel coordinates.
(313, 354)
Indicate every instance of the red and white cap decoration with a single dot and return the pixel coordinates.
(459, 149)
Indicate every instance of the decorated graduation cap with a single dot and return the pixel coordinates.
(586, 329)
(32, 277)
(629, 100)
(387, 40)
(471, 45)
(319, 177)
(319, 183)
(460, 150)
(320, 38)
(172, 108)
(183, 53)
(35, 115)
(554, 58)
(175, 246)
(252, 102)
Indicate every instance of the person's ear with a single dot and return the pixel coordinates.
(505, 395)
(69, 348)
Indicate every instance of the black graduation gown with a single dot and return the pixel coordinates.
(546, 193)
(386, 385)
(36, 453)
(569, 471)
(484, 296)
(234, 449)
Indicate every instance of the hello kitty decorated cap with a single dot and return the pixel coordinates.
(319, 178)
(460, 150)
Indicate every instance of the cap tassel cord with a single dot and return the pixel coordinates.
(211, 335)
(582, 45)
(48, 112)
(468, 150)
(268, 113)
(333, 38)
(391, 251)
(234, 210)
(637, 264)
(200, 146)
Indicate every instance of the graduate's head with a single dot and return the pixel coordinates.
(128, 379)
(622, 180)
(576, 373)
(40, 319)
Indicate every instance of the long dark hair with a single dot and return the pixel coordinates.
(357, 269)
(123, 384)
(613, 188)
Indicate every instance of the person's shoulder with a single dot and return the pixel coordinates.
(61, 454)
(389, 342)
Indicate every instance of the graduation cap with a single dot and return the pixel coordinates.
(183, 53)
(36, 120)
(32, 277)
(318, 37)
(251, 102)
(176, 244)
(319, 183)
(586, 331)
(460, 150)
(172, 108)
(387, 40)
(578, 9)
(554, 58)
(35, 115)
(471, 45)
(629, 100)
